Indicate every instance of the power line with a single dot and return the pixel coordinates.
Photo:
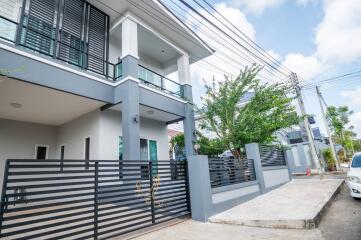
(333, 79)
(261, 51)
(229, 36)
(219, 42)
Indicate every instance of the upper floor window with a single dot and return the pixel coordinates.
(71, 30)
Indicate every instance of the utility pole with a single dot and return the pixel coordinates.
(296, 85)
(327, 128)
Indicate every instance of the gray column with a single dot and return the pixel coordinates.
(200, 188)
(303, 157)
(188, 122)
(130, 110)
(252, 151)
(129, 67)
(289, 162)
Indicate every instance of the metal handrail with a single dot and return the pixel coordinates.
(162, 84)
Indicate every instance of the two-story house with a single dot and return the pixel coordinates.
(86, 79)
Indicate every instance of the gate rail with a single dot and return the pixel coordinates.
(227, 171)
(53, 199)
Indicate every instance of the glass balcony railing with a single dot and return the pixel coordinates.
(8, 29)
(157, 81)
(42, 40)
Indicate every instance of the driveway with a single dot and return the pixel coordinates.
(341, 221)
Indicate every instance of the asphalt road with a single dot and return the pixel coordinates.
(342, 220)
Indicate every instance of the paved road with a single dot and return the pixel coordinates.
(343, 218)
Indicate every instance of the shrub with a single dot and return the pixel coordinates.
(328, 156)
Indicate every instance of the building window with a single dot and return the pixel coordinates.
(62, 156)
(87, 152)
(41, 152)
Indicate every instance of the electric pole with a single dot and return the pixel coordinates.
(327, 128)
(296, 85)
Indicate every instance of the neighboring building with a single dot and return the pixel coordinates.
(296, 136)
(86, 79)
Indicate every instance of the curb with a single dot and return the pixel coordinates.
(315, 222)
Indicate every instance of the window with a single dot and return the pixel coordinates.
(87, 152)
(9, 11)
(41, 152)
(356, 162)
(121, 151)
(62, 155)
(148, 151)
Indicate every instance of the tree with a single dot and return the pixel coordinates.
(209, 147)
(339, 121)
(177, 145)
(234, 126)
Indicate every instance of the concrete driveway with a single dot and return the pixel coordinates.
(191, 230)
(341, 221)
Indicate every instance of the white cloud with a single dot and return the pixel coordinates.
(255, 6)
(273, 54)
(353, 96)
(225, 59)
(338, 36)
(307, 67)
(306, 2)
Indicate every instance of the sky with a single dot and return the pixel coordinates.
(317, 39)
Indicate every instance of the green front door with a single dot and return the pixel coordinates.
(153, 156)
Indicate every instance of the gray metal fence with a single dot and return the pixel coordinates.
(224, 171)
(53, 199)
(272, 156)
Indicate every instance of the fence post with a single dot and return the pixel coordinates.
(96, 177)
(289, 162)
(200, 188)
(3, 194)
(151, 190)
(252, 151)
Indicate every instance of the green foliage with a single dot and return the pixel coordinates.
(357, 145)
(234, 126)
(328, 156)
(209, 147)
(177, 140)
(338, 119)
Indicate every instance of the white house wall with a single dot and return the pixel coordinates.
(18, 140)
(73, 134)
(111, 129)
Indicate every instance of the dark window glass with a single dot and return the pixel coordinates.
(62, 154)
(87, 152)
(356, 162)
(41, 152)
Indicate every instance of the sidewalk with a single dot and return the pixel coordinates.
(296, 205)
(191, 230)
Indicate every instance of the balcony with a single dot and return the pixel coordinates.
(43, 40)
(157, 81)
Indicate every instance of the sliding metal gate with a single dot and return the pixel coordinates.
(71, 199)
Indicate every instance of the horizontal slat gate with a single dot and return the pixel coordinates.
(51, 199)
(272, 156)
(225, 171)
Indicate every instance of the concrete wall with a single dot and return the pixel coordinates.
(73, 134)
(18, 140)
(224, 198)
(111, 129)
(275, 177)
